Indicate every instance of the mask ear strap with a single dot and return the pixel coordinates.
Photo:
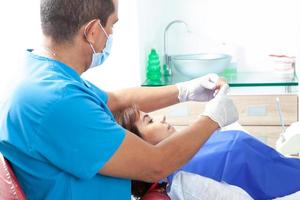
(103, 30)
(92, 47)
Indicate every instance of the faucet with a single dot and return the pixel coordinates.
(166, 56)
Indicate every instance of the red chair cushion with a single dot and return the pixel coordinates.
(10, 188)
(156, 195)
(156, 192)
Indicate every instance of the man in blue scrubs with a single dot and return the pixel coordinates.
(57, 130)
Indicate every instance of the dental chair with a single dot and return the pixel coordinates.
(156, 193)
(10, 188)
(289, 142)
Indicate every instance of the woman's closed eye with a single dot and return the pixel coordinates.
(147, 119)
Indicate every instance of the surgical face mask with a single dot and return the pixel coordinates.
(99, 58)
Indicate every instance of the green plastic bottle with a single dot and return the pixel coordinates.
(166, 74)
(166, 71)
(153, 70)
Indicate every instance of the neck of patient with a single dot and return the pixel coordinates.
(67, 52)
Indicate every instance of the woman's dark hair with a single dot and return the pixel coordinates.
(127, 118)
(62, 19)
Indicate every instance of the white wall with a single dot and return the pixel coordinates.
(19, 22)
(122, 67)
(20, 29)
(252, 29)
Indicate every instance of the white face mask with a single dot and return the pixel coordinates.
(99, 58)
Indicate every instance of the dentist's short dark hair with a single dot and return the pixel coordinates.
(62, 19)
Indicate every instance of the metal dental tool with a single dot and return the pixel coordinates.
(281, 119)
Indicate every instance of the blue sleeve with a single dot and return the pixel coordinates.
(100, 93)
(78, 135)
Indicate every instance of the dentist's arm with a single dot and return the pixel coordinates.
(152, 98)
(139, 160)
(146, 98)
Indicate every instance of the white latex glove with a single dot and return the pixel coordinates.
(199, 89)
(221, 109)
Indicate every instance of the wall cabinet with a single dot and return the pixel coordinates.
(258, 114)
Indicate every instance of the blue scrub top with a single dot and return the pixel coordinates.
(57, 132)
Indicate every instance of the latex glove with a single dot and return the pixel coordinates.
(221, 109)
(199, 89)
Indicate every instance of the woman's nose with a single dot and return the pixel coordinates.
(163, 119)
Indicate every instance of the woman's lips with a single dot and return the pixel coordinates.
(171, 128)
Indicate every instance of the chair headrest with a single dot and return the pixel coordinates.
(10, 188)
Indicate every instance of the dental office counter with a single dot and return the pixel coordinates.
(255, 96)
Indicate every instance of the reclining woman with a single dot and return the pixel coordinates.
(233, 157)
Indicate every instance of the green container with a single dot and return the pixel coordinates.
(153, 70)
(166, 71)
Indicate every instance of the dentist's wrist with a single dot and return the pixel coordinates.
(209, 122)
(182, 92)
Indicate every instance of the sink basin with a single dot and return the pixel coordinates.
(195, 65)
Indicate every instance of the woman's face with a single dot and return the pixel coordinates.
(153, 131)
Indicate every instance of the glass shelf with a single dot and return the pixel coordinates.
(240, 79)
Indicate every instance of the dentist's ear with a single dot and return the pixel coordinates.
(90, 31)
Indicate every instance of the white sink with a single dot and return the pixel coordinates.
(195, 65)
